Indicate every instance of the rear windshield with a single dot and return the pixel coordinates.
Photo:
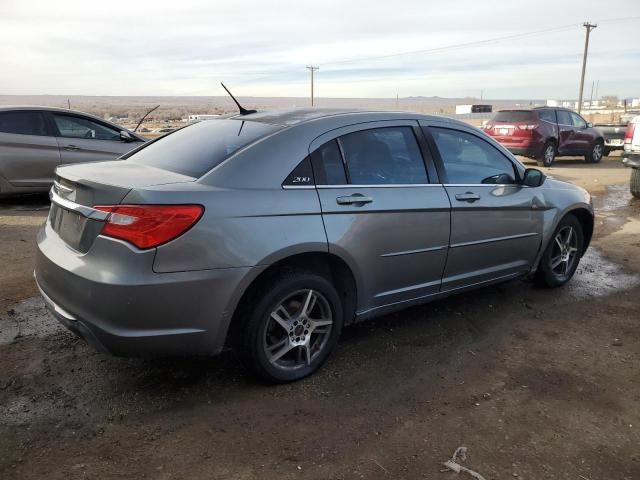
(196, 149)
(514, 116)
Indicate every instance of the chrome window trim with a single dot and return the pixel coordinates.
(83, 210)
(389, 185)
(410, 185)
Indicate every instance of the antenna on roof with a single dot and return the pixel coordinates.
(144, 116)
(243, 111)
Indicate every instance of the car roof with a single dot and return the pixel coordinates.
(299, 116)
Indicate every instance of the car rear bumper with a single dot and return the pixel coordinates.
(128, 311)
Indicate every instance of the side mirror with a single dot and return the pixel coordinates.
(126, 136)
(533, 177)
(589, 125)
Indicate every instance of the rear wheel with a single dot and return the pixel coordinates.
(292, 327)
(561, 257)
(596, 153)
(548, 155)
(635, 182)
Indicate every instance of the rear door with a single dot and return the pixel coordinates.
(380, 211)
(29, 153)
(567, 144)
(84, 140)
(496, 224)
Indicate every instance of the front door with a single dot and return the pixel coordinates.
(496, 224)
(29, 153)
(84, 140)
(380, 212)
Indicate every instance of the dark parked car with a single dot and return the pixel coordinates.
(545, 133)
(268, 232)
(35, 140)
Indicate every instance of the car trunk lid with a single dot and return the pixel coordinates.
(512, 123)
(79, 188)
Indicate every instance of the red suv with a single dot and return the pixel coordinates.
(544, 133)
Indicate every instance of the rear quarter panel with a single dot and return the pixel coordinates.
(239, 227)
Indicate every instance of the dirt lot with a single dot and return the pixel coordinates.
(537, 384)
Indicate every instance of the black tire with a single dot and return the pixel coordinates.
(257, 323)
(596, 153)
(634, 182)
(552, 276)
(548, 154)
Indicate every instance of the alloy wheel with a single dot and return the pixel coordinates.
(564, 252)
(549, 155)
(596, 155)
(298, 329)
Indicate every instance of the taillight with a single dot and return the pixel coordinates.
(531, 126)
(628, 135)
(148, 226)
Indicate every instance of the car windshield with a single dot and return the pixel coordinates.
(514, 116)
(196, 149)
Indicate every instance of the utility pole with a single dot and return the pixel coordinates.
(593, 83)
(589, 27)
(312, 69)
(597, 85)
(397, 101)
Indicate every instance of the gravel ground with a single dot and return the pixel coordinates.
(535, 383)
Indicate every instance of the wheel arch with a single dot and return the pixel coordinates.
(327, 264)
(586, 219)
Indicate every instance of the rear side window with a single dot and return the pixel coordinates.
(384, 156)
(23, 123)
(548, 115)
(468, 159)
(515, 116)
(196, 149)
(327, 165)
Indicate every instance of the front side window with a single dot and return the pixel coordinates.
(578, 121)
(77, 127)
(468, 159)
(23, 123)
(564, 118)
(383, 156)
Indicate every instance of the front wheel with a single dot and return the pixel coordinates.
(635, 182)
(292, 328)
(562, 255)
(595, 154)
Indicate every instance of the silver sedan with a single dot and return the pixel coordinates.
(268, 232)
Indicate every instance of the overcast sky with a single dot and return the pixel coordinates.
(261, 47)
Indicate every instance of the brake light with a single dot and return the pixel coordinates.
(531, 126)
(628, 135)
(148, 226)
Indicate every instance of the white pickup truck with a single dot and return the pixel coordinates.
(631, 154)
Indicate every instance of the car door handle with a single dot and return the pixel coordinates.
(467, 197)
(355, 199)
(71, 147)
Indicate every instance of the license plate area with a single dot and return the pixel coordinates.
(75, 230)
